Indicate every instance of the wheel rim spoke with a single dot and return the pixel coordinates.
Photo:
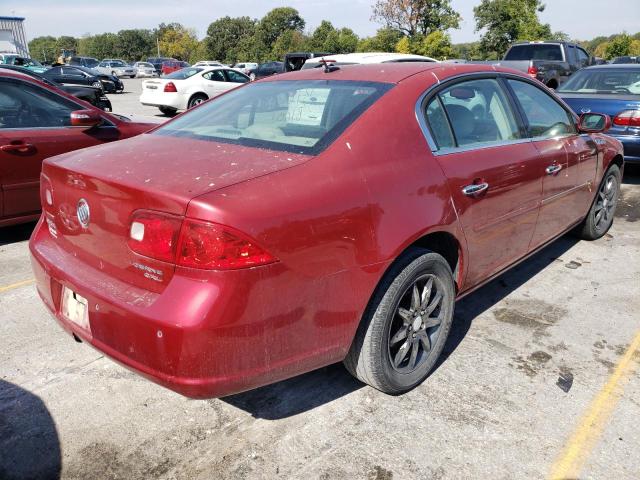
(401, 354)
(426, 342)
(415, 297)
(399, 336)
(434, 304)
(405, 315)
(426, 293)
(414, 354)
(432, 322)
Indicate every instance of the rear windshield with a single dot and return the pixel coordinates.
(604, 81)
(535, 52)
(183, 73)
(293, 116)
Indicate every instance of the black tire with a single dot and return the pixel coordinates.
(168, 111)
(600, 217)
(197, 99)
(380, 334)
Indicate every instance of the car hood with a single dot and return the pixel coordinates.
(610, 105)
(179, 168)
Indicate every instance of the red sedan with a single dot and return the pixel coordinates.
(38, 121)
(313, 218)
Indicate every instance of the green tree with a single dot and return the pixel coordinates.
(67, 43)
(226, 35)
(506, 21)
(288, 41)
(277, 21)
(619, 46)
(134, 45)
(320, 35)
(347, 41)
(436, 45)
(414, 17)
(385, 40)
(98, 46)
(178, 42)
(44, 49)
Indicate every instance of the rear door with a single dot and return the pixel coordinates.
(493, 172)
(215, 83)
(34, 125)
(569, 161)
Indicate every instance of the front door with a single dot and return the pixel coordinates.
(34, 125)
(555, 135)
(493, 171)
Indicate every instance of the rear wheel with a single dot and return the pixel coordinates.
(97, 84)
(406, 324)
(197, 99)
(600, 217)
(168, 111)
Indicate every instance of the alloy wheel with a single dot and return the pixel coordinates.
(416, 323)
(605, 203)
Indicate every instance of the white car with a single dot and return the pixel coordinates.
(363, 58)
(207, 63)
(117, 68)
(245, 67)
(189, 87)
(144, 69)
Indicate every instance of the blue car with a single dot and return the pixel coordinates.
(615, 91)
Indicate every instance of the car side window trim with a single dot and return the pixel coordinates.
(434, 91)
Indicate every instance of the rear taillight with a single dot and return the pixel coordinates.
(193, 243)
(216, 247)
(155, 235)
(170, 87)
(627, 118)
(46, 192)
(533, 71)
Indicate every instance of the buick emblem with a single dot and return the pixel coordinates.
(83, 213)
(585, 110)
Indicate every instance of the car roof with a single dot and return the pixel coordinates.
(390, 72)
(615, 66)
(370, 57)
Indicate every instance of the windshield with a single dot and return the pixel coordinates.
(118, 63)
(183, 73)
(91, 62)
(145, 65)
(294, 116)
(535, 52)
(604, 81)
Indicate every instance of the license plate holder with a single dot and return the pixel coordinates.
(75, 308)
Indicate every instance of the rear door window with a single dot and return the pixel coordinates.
(215, 76)
(545, 117)
(478, 112)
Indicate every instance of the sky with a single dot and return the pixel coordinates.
(581, 19)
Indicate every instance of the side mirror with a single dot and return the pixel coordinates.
(85, 118)
(594, 123)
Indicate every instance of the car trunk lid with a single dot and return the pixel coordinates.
(115, 180)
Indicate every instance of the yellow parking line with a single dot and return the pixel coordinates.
(16, 285)
(578, 448)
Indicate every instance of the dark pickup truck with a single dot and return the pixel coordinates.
(550, 62)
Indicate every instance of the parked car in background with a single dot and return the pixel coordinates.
(613, 90)
(117, 68)
(172, 66)
(313, 218)
(365, 58)
(25, 62)
(207, 63)
(38, 121)
(244, 67)
(295, 60)
(625, 60)
(157, 62)
(67, 74)
(189, 87)
(93, 95)
(265, 70)
(88, 62)
(552, 63)
(144, 69)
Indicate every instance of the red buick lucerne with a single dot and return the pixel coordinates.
(39, 121)
(321, 216)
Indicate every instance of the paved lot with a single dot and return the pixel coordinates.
(540, 367)
(128, 103)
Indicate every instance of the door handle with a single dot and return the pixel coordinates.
(474, 189)
(17, 148)
(553, 169)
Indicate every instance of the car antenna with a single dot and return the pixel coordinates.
(328, 68)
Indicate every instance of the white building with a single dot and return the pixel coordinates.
(12, 36)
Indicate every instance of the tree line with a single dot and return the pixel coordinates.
(407, 26)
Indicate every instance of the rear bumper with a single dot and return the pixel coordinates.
(201, 337)
(162, 99)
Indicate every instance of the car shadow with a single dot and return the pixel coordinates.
(16, 233)
(631, 175)
(305, 392)
(29, 443)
